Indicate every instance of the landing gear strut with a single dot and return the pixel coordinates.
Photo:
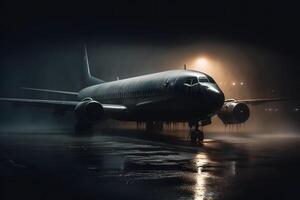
(196, 135)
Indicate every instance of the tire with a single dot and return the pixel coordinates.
(200, 136)
(193, 137)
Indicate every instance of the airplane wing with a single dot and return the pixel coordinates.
(49, 91)
(57, 104)
(67, 105)
(262, 101)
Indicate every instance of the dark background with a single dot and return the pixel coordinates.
(37, 36)
(41, 46)
(41, 43)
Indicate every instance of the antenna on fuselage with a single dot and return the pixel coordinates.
(118, 78)
(184, 66)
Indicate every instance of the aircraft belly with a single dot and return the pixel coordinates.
(165, 109)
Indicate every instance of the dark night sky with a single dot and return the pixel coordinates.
(41, 41)
(271, 24)
(256, 42)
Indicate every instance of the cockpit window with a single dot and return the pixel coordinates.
(203, 80)
(211, 79)
(191, 81)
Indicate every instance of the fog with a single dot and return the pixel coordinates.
(57, 65)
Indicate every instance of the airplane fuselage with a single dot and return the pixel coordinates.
(175, 95)
(169, 96)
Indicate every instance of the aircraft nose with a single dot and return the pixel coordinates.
(215, 96)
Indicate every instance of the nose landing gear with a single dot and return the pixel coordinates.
(196, 135)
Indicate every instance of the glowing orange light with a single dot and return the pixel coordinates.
(201, 61)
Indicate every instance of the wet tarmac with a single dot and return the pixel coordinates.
(113, 166)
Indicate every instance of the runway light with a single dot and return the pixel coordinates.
(233, 83)
(241, 83)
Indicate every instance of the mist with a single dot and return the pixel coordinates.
(57, 65)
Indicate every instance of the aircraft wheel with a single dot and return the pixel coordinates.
(193, 137)
(200, 136)
(197, 136)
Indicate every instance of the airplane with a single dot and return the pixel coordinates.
(168, 96)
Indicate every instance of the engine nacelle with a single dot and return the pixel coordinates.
(89, 110)
(234, 112)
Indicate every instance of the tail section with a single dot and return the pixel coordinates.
(87, 78)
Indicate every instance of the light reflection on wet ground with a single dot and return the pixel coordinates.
(58, 166)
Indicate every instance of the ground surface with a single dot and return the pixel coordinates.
(112, 166)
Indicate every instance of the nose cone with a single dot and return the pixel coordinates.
(215, 96)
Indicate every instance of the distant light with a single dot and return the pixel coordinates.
(296, 109)
(241, 83)
(233, 83)
(201, 61)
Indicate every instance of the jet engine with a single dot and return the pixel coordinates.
(234, 112)
(89, 110)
